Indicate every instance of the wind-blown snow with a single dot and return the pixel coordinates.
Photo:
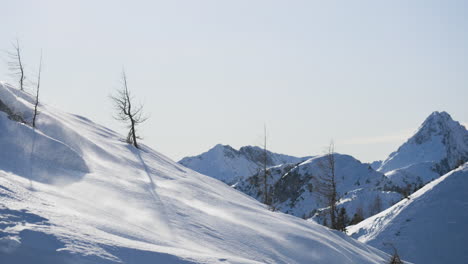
(430, 227)
(72, 191)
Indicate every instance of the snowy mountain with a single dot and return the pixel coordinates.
(293, 187)
(410, 178)
(430, 227)
(439, 139)
(438, 146)
(72, 191)
(229, 165)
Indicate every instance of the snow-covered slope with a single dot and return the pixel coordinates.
(229, 165)
(292, 187)
(430, 227)
(439, 139)
(72, 191)
(412, 177)
(376, 164)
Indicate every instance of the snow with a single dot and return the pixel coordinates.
(439, 139)
(376, 164)
(293, 193)
(410, 154)
(430, 227)
(26, 148)
(439, 145)
(417, 174)
(72, 191)
(229, 165)
(366, 199)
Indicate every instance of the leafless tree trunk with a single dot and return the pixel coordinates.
(127, 112)
(266, 199)
(38, 85)
(16, 64)
(326, 184)
(395, 258)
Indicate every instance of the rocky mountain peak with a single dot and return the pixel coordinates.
(436, 124)
(439, 139)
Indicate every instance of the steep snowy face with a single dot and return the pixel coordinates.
(229, 165)
(440, 139)
(293, 187)
(72, 191)
(430, 227)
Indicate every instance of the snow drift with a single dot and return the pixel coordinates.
(72, 191)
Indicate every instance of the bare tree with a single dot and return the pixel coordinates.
(16, 64)
(127, 111)
(266, 199)
(326, 184)
(395, 258)
(38, 85)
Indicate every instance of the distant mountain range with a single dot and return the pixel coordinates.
(439, 145)
(293, 187)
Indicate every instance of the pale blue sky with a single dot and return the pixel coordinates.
(365, 73)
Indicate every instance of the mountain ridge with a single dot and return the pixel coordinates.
(405, 170)
(229, 165)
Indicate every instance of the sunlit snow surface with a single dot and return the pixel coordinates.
(430, 227)
(85, 196)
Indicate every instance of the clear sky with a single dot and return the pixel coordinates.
(363, 73)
